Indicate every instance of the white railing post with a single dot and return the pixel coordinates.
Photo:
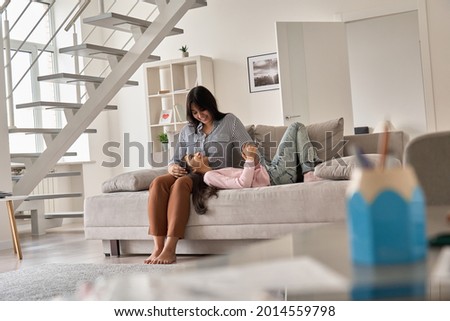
(78, 14)
(76, 64)
(5, 161)
(8, 73)
(101, 6)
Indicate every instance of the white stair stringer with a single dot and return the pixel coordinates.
(128, 65)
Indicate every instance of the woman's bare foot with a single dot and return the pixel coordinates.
(166, 257)
(168, 254)
(152, 257)
(158, 247)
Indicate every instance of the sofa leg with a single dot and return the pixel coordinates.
(115, 247)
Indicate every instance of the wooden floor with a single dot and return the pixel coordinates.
(64, 244)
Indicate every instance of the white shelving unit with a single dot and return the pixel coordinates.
(167, 84)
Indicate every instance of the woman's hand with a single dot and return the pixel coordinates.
(176, 170)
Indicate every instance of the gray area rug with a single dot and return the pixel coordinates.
(49, 281)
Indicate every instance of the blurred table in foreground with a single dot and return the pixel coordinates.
(309, 265)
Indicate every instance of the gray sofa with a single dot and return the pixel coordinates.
(118, 217)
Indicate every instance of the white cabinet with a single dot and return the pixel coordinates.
(167, 84)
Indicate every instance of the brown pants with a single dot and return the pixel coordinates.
(169, 205)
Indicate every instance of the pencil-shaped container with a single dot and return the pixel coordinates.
(386, 216)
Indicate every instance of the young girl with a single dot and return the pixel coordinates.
(207, 181)
(295, 149)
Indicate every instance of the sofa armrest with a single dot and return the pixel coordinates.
(370, 142)
(132, 181)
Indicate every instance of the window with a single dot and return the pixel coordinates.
(32, 21)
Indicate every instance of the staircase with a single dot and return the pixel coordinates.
(123, 64)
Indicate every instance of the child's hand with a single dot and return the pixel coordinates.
(250, 152)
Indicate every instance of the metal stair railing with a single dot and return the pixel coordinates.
(110, 35)
(47, 44)
(102, 9)
(77, 14)
(32, 29)
(8, 59)
(108, 38)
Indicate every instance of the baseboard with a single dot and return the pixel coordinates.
(185, 247)
(6, 245)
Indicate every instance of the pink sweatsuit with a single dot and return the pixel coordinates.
(230, 178)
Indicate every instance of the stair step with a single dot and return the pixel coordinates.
(51, 215)
(198, 3)
(36, 155)
(16, 178)
(57, 105)
(66, 78)
(98, 52)
(63, 174)
(120, 22)
(36, 197)
(44, 130)
(64, 215)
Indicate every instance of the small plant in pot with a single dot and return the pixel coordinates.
(184, 51)
(164, 140)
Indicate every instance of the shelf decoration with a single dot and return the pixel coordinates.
(184, 51)
(165, 117)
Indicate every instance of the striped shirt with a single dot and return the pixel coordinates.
(222, 145)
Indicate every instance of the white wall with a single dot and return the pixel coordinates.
(229, 32)
(438, 15)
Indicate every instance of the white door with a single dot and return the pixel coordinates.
(314, 72)
(366, 71)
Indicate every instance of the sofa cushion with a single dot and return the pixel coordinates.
(132, 181)
(251, 131)
(227, 214)
(326, 137)
(342, 168)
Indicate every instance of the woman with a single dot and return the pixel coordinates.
(214, 134)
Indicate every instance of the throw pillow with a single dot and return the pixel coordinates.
(250, 130)
(342, 168)
(269, 137)
(326, 137)
(132, 181)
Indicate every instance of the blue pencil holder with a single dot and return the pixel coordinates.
(386, 216)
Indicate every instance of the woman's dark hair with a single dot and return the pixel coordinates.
(205, 100)
(201, 192)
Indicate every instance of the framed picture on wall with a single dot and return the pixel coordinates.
(263, 72)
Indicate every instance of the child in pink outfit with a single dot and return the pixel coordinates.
(294, 149)
(252, 175)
